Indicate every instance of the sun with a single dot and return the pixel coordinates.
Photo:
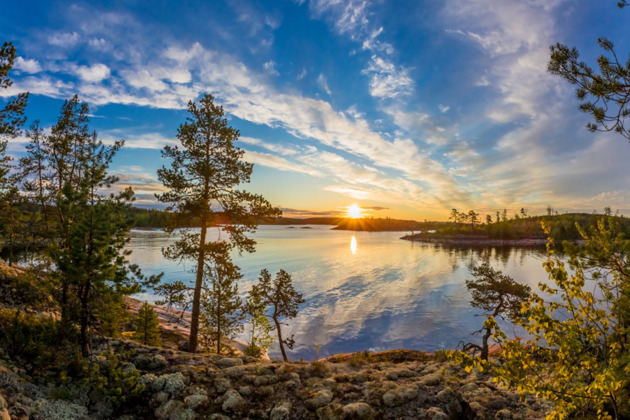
(354, 211)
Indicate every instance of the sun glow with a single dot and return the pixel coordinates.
(353, 245)
(354, 211)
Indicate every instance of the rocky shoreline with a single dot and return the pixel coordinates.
(400, 384)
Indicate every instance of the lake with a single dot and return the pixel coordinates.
(363, 290)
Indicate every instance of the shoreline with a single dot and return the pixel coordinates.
(476, 242)
(174, 324)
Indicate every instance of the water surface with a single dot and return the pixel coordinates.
(363, 290)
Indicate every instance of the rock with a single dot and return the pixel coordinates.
(401, 395)
(195, 400)
(60, 410)
(431, 379)
(245, 390)
(229, 362)
(174, 410)
(265, 380)
(455, 406)
(233, 401)
(249, 359)
(222, 385)
(172, 383)
(435, 413)
(234, 372)
(265, 391)
(159, 398)
(330, 412)
(400, 373)
(128, 368)
(503, 414)
(478, 409)
(319, 399)
(282, 411)
(157, 362)
(359, 410)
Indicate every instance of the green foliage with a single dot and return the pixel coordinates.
(604, 95)
(110, 314)
(561, 227)
(11, 119)
(260, 328)
(221, 307)
(497, 295)
(33, 342)
(147, 326)
(12, 115)
(176, 295)
(577, 353)
(111, 381)
(85, 230)
(283, 299)
(201, 182)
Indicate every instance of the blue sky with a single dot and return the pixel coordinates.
(407, 108)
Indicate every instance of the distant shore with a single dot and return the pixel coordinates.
(474, 241)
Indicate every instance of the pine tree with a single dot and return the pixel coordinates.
(12, 115)
(176, 295)
(260, 327)
(604, 94)
(86, 230)
(11, 119)
(147, 326)
(202, 181)
(283, 299)
(221, 307)
(498, 295)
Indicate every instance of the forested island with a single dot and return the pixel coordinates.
(518, 231)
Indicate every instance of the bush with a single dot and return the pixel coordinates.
(577, 354)
(35, 342)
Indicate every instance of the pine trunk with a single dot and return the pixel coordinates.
(194, 322)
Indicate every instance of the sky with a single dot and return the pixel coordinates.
(406, 108)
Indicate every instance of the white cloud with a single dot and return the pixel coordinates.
(276, 148)
(301, 75)
(279, 163)
(94, 73)
(323, 83)
(270, 67)
(64, 39)
(99, 44)
(387, 80)
(139, 141)
(27, 65)
(349, 16)
(443, 108)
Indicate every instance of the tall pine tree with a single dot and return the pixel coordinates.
(202, 180)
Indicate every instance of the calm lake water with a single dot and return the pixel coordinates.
(363, 290)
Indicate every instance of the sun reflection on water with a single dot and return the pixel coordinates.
(353, 245)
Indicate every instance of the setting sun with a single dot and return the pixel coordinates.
(354, 211)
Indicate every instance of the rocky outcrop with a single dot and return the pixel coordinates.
(178, 385)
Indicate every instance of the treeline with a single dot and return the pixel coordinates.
(561, 226)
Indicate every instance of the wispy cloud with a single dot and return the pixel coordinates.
(323, 83)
